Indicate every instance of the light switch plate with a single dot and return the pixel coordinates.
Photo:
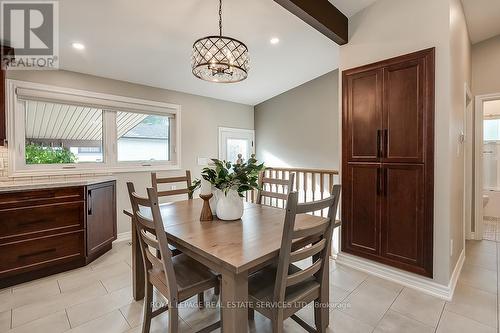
(203, 161)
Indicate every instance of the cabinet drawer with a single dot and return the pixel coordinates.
(41, 197)
(29, 220)
(19, 257)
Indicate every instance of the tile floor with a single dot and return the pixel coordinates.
(491, 228)
(97, 298)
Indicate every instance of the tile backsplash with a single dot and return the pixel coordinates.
(4, 158)
(4, 173)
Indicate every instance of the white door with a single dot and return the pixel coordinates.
(234, 141)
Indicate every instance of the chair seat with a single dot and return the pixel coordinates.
(192, 277)
(261, 289)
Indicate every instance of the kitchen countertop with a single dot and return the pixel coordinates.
(12, 186)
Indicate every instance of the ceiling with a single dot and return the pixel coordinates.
(149, 42)
(351, 7)
(483, 19)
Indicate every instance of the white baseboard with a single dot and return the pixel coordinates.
(406, 279)
(123, 236)
(456, 273)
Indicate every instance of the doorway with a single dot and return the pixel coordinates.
(487, 168)
(235, 141)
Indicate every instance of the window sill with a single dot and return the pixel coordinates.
(100, 171)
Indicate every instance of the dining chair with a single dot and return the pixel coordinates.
(286, 285)
(169, 180)
(155, 181)
(267, 191)
(177, 278)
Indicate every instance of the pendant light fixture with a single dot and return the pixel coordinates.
(219, 58)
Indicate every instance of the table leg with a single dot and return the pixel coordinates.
(234, 296)
(137, 266)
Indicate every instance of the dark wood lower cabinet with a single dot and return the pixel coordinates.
(363, 208)
(403, 207)
(43, 232)
(101, 207)
(385, 207)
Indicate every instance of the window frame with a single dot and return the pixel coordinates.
(110, 105)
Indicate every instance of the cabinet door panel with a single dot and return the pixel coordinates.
(361, 209)
(363, 115)
(404, 112)
(403, 226)
(101, 217)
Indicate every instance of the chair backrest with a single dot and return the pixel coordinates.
(317, 240)
(267, 191)
(152, 236)
(155, 181)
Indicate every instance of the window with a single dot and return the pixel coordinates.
(142, 137)
(62, 133)
(71, 130)
(491, 130)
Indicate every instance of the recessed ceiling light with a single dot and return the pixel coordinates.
(78, 46)
(274, 40)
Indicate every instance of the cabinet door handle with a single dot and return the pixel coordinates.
(385, 181)
(379, 188)
(89, 203)
(386, 143)
(379, 143)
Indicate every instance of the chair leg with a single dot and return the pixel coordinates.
(173, 319)
(320, 315)
(251, 314)
(201, 300)
(148, 308)
(277, 323)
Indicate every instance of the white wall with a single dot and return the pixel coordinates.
(201, 118)
(461, 73)
(390, 28)
(299, 128)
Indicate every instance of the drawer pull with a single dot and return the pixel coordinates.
(89, 203)
(36, 253)
(24, 224)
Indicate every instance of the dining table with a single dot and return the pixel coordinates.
(233, 249)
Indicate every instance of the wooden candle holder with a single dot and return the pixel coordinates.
(206, 212)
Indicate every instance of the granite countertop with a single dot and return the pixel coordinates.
(11, 186)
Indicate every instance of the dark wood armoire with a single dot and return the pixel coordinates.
(388, 161)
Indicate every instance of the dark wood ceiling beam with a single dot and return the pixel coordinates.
(321, 15)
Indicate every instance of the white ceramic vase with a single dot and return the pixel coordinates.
(229, 206)
(213, 200)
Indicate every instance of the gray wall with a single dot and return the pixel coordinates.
(299, 128)
(200, 117)
(486, 67)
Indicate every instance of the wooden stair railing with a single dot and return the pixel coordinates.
(311, 184)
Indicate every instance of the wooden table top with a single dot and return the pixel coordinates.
(235, 245)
